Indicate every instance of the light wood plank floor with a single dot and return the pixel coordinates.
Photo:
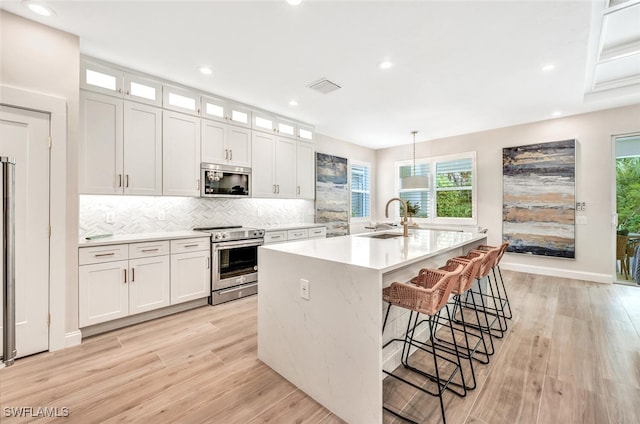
(571, 355)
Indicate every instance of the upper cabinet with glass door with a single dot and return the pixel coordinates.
(114, 82)
(223, 110)
(284, 127)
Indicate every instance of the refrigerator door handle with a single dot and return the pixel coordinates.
(8, 267)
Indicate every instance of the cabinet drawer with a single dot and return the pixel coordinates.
(190, 245)
(148, 249)
(297, 234)
(320, 232)
(275, 237)
(100, 254)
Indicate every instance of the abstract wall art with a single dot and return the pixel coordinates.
(538, 191)
(332, 194)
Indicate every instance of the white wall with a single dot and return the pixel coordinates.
(45, 60)
(594, 184)
(336, 147)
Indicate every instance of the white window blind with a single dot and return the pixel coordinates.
(419, 197)
(360, 191)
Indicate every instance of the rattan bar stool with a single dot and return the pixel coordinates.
(503, 249)
(473, 297)
(428, 297)
(494, 303)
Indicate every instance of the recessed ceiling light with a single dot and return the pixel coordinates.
(547, 68)
(556, 113)
(206, 70)
(293, 103)
(294, 2)
(385, 64)
(38, 8)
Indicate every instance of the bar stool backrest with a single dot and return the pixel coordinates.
(431, 292)
(468, 274)
(488, 259)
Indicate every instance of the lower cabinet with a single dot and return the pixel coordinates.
(126, 279)
(190, 271)
(279, 236)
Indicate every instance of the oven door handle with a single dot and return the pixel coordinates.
(236, 288)
(235, 244)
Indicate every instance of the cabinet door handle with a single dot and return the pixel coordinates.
(278, 185)
(150, 250)
(125, 276)
(298, 190)
(133, 274)
(207, 263)
(274, 188)
(119, 180)
(198, 184)
(190, 245)
(99, 255)
(230, 154)
(126, 179)
(226, 153)
(127, 92)
(120, 90)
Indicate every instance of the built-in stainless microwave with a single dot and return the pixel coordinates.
(224, 180)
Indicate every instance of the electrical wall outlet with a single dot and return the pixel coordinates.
(160, 215)
(304, 289)
(109, 217)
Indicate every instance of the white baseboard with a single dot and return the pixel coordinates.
(74, 338)
(559, 272)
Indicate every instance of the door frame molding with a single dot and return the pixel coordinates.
(56, 107)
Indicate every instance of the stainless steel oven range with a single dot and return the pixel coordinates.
(234, 254)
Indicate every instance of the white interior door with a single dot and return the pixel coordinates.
(24, 135)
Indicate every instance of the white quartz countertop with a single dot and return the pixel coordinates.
(141, 237)
(380, 254)
(283, 227)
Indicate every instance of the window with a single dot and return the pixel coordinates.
(419, 199)
(450, 197)
(360, 196)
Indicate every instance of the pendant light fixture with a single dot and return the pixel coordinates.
(414, 181)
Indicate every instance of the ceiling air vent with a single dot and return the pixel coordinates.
(324, 86)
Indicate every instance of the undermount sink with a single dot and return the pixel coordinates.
(385, 236)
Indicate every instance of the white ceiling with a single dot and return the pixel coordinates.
(459, 66)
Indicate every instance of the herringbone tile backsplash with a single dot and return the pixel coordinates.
(146, 214)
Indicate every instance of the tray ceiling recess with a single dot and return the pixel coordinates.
(614, 68)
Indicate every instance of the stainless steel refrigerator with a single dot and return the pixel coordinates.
(7, 264)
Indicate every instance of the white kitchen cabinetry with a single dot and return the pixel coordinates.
(120, 146)
(190, 269)
(114, 82)
(223, 110)
(180, 154)
(120, 280)
(305, 171)
(180, 100)
(301, 233)
(225, 144)
(111, 287)
(273, 166)
(103, 292)
(305, 132)
(281, 167)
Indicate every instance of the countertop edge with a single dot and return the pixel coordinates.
(141, 237)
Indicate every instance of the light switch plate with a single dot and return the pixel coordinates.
(581, 219)
(304, 289)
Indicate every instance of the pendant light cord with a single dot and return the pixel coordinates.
(414, 152)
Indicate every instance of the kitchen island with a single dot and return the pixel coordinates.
(320, 311)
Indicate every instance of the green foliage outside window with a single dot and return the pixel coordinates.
(628, 194)
(455, 204)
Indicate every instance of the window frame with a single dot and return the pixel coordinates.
(353, 163)
(433, 207)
